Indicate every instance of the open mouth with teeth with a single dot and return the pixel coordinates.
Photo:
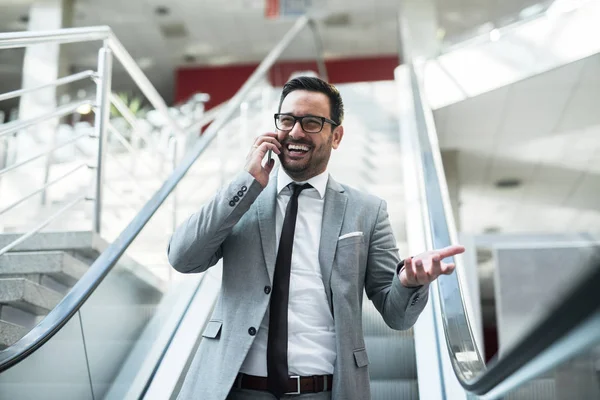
(297, 150)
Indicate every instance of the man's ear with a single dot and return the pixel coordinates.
(338, 134)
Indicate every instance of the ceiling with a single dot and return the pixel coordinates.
(560, 36)
(213, 32)
(543, 132)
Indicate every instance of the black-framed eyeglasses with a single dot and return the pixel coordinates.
(309, 123)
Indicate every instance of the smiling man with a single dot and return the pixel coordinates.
(298, 251)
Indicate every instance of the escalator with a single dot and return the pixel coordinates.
(124, 328)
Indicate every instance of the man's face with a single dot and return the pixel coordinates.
(303, 164)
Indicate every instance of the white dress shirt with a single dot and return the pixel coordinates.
(311, 331)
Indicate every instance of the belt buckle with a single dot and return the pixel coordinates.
(297, 378)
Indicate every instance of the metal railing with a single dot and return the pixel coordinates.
(82, 290)
(110, 50)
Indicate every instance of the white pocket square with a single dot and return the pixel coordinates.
(349, 235)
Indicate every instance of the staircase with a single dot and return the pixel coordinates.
(35, 276)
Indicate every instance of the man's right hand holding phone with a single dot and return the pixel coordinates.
(254, 160)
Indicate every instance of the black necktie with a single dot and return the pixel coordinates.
(277, 345)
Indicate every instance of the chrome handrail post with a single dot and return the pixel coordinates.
(244, 130)
(320, 57)
(222, 151)
(49, 161)
(103, 91)
(175, 143)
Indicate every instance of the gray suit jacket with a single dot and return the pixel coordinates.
(238, 224)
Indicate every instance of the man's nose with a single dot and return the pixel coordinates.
(297, 132)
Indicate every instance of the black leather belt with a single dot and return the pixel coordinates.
(296, 384)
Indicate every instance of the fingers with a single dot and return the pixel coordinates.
(267, 134)
(409, 273)
(448, 269)
(256, 155)
(420, 274)
(261, 150)
(269, 166)
(415, 272)
(451, 251)
(426, 268)
(436, 266)
(267, 138)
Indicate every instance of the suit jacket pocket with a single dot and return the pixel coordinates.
(350, 240)
(360, 356)
(212, 330)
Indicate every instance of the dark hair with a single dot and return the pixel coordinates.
(316, 85)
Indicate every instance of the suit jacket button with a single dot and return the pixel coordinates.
(244, 188)
(240, 193)
(267, 289)
(252, 331)
(232, 203)
(236, 199)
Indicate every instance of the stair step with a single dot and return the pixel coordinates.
(84, 242)
(10, 333)
(59, 265)
(394, 389)
(374, 325)
(392, 357)
(28, 296)
(539, 388)
(391, 352)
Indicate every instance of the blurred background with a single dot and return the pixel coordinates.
(476, 120)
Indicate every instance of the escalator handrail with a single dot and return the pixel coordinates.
(83, 289)
(573, 325)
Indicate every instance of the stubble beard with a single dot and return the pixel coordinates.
(314, 166)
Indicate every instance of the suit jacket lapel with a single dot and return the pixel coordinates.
(333, 216)
(267, 202)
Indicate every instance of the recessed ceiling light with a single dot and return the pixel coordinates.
(508, 183)
(337, 19)
(492, 229)
(173, 30)
(145, 62)
(162, 11)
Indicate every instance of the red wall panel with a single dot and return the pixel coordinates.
(222, 82)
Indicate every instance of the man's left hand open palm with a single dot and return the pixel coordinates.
(426, 267)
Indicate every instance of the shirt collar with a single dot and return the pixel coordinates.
(318, 182)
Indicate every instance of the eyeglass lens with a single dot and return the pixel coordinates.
(309, 124)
